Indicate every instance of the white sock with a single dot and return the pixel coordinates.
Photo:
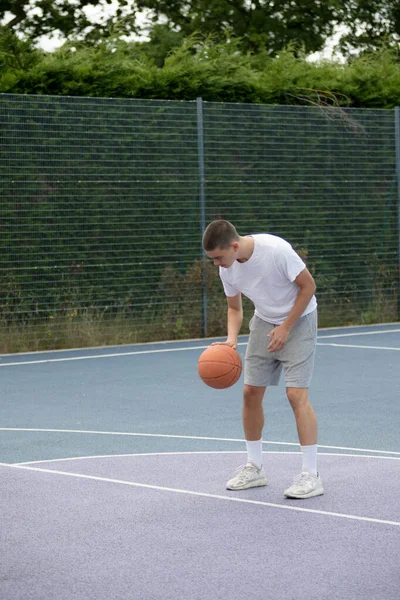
(310, 459)
(254, 452)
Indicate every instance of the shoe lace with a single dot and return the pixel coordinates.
(243, 469)
(248, 465)
(303, 476)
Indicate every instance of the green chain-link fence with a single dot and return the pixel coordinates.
(104, 202)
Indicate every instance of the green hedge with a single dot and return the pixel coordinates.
(216, 72)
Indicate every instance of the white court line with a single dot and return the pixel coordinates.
(112, 355)
(181, 349)
(206, 495)
(187, 437)
(355, 346)
(91, 457)
(360, 333)
(193, 340)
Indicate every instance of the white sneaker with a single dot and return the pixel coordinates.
(305, 485)
(247, 476)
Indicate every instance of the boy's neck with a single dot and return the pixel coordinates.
(246, 248)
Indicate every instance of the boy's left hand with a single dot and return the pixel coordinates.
(279, 337)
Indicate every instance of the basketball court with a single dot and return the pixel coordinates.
(114, 463)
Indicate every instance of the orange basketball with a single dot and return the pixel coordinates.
(219, 366)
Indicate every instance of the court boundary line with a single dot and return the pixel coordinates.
(188, 452)
(221, 337)
(112, 355)
(358, 346)
(359, 333)
(187, 437)
(207, 495)
(181, 349)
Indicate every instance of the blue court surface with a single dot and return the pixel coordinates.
(114, 462)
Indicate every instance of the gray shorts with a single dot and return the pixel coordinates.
(264, 368)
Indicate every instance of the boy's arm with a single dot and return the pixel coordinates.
(235, 320)
(307, 289)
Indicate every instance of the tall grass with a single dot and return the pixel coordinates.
(181, 317)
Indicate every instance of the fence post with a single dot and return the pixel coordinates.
(202, 198)
(397, 137)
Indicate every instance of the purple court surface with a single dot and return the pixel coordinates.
(113, 465)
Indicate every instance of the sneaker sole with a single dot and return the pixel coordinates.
(318, 492)
(258, 483)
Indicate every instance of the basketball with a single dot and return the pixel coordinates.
(219, 366)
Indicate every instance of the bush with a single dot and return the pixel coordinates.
(199, 67)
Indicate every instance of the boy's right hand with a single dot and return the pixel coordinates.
(231, 343)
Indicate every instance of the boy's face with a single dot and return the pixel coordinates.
(224, 257)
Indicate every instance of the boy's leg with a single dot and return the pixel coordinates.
(306, 420)
(297, 357)
(308, 483)
(260, 370)
(252, 474)
(253, 422)
(253, 414)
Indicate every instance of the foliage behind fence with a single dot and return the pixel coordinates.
(101, 213)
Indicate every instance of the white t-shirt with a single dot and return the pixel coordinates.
(267, 278)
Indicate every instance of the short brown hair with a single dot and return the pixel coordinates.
(219, 234)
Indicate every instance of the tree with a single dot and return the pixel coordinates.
(35, 18)
(162, 41)
(259, 23)
(269, 25)
(370, 24)
(275, 24)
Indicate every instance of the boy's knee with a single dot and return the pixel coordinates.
(252, 396)
(298, 397)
